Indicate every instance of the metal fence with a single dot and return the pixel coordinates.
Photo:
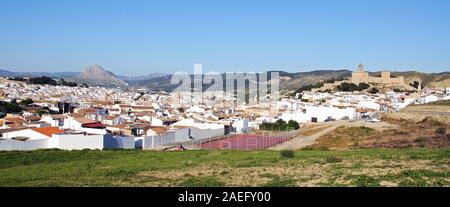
(262, 140)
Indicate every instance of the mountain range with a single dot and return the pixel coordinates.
(96, 75)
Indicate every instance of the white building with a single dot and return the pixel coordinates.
(76, 123)
(33, 133)
(430, 98)
(320, 114)
(369, 105)
(241, 126)
(54, 120)
(112, 120)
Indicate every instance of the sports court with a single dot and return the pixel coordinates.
(243, 142)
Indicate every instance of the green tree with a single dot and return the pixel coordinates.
(26, 102)
(374, 90)
(293, 124)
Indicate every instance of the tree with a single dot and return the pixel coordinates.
(350, 87)
(65, 83)
(280, 125)
(293, 124)
(280, 122)
(362, 86)
(26, 102)
(415, 84)
(10, 107)
(441, 131)
(374, 90)
(43, 80)
(309, 87)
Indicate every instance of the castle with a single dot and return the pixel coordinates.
(361, 76)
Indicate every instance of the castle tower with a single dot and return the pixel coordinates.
(360, 75)
(360, 68)
(385, 75)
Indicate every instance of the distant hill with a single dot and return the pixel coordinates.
(292, 81)
(135, 79)
(7, 73)
(438, 80)
(96, 75)
(289, 81)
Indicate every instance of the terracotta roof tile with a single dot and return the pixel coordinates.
(48, 131)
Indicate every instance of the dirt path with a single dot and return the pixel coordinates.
(304, 141)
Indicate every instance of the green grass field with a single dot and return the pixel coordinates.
(371, 167)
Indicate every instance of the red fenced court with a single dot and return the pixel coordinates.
(245, 141)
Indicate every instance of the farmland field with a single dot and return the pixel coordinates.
(362, 167)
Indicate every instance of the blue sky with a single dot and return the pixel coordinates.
(140, 37)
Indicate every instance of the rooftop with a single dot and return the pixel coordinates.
(48, 131)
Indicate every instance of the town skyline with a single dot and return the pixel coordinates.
(208, 69)
(53, 36)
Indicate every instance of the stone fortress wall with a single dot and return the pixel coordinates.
(361, 76)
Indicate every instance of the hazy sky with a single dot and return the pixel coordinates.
(141, 37)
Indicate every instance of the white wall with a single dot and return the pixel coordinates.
(298, 117)
(323, 112)
(111, 142)
(138, 142)
(76, 141)
(36, 144)
(199, 134)
(170, 137)
(241, 126)
(180, 135)
(10, 144)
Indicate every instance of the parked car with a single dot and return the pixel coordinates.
(373, 120)
(329, 119)
(345, 118)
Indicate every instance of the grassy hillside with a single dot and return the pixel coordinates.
(371, 167)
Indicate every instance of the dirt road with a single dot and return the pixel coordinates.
(304, 141)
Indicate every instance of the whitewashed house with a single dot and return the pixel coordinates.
(56, 120)
(33, 133)
(430, 98)
(112, 120)
(369, 105)
(320, 114)
(76, 123)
